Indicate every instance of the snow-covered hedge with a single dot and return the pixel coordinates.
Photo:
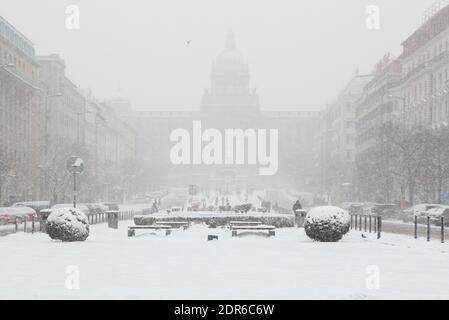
(67, 224)
(144, 220)
(327, 224)
(278, 220)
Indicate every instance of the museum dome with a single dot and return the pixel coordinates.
(230, 58)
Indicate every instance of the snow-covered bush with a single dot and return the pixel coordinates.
(327, 224)
(68, 224)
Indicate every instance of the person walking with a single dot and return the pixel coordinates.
(297, 206)
(299, 214)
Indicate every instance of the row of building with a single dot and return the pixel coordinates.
(45, 119)
(410, 91)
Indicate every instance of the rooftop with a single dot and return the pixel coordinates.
(15, 37)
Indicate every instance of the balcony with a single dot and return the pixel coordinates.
(427, 65)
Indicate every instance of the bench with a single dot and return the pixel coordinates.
(173, 224)
(270, 229)
(244, 223)
(132, 229)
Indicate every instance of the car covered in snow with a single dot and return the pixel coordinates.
(387, 210)
(82, 207)
(420, 209)
(36, 205)
(353, 207)
(437, 213)
(96, 208)
(10, 214)
(111, 206)
(86, 208)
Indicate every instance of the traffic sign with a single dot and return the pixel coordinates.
(75, 165)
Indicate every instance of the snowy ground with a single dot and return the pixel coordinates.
(185, 266)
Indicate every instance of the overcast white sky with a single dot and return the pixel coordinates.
(301, 53)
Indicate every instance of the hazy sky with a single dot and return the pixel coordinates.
(301, 53)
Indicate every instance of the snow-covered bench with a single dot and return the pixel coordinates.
(132, 229)
(173, 224)
(270, 229)
(244, 223)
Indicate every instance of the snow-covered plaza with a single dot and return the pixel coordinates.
(184, 265)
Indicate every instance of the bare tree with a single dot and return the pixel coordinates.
(435, 171)
(407, 151)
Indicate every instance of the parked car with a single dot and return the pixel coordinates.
(420, 209)
(387, 210)
(80, 206)
(176, 209)
(36, 205)
(353, 207)
(10, 214)
(96, 208)
(436, 213)
(367, 209)
(44, 213)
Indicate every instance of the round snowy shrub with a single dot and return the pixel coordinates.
(68, 224)
(327, 224)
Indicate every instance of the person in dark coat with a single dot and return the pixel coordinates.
(299, 214)
(297, 206)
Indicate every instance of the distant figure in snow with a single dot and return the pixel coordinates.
(363, 236)
(154, 207)
(297, 206)
(299, 214)
(188, 41)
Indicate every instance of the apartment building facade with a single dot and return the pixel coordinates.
(20, 115)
